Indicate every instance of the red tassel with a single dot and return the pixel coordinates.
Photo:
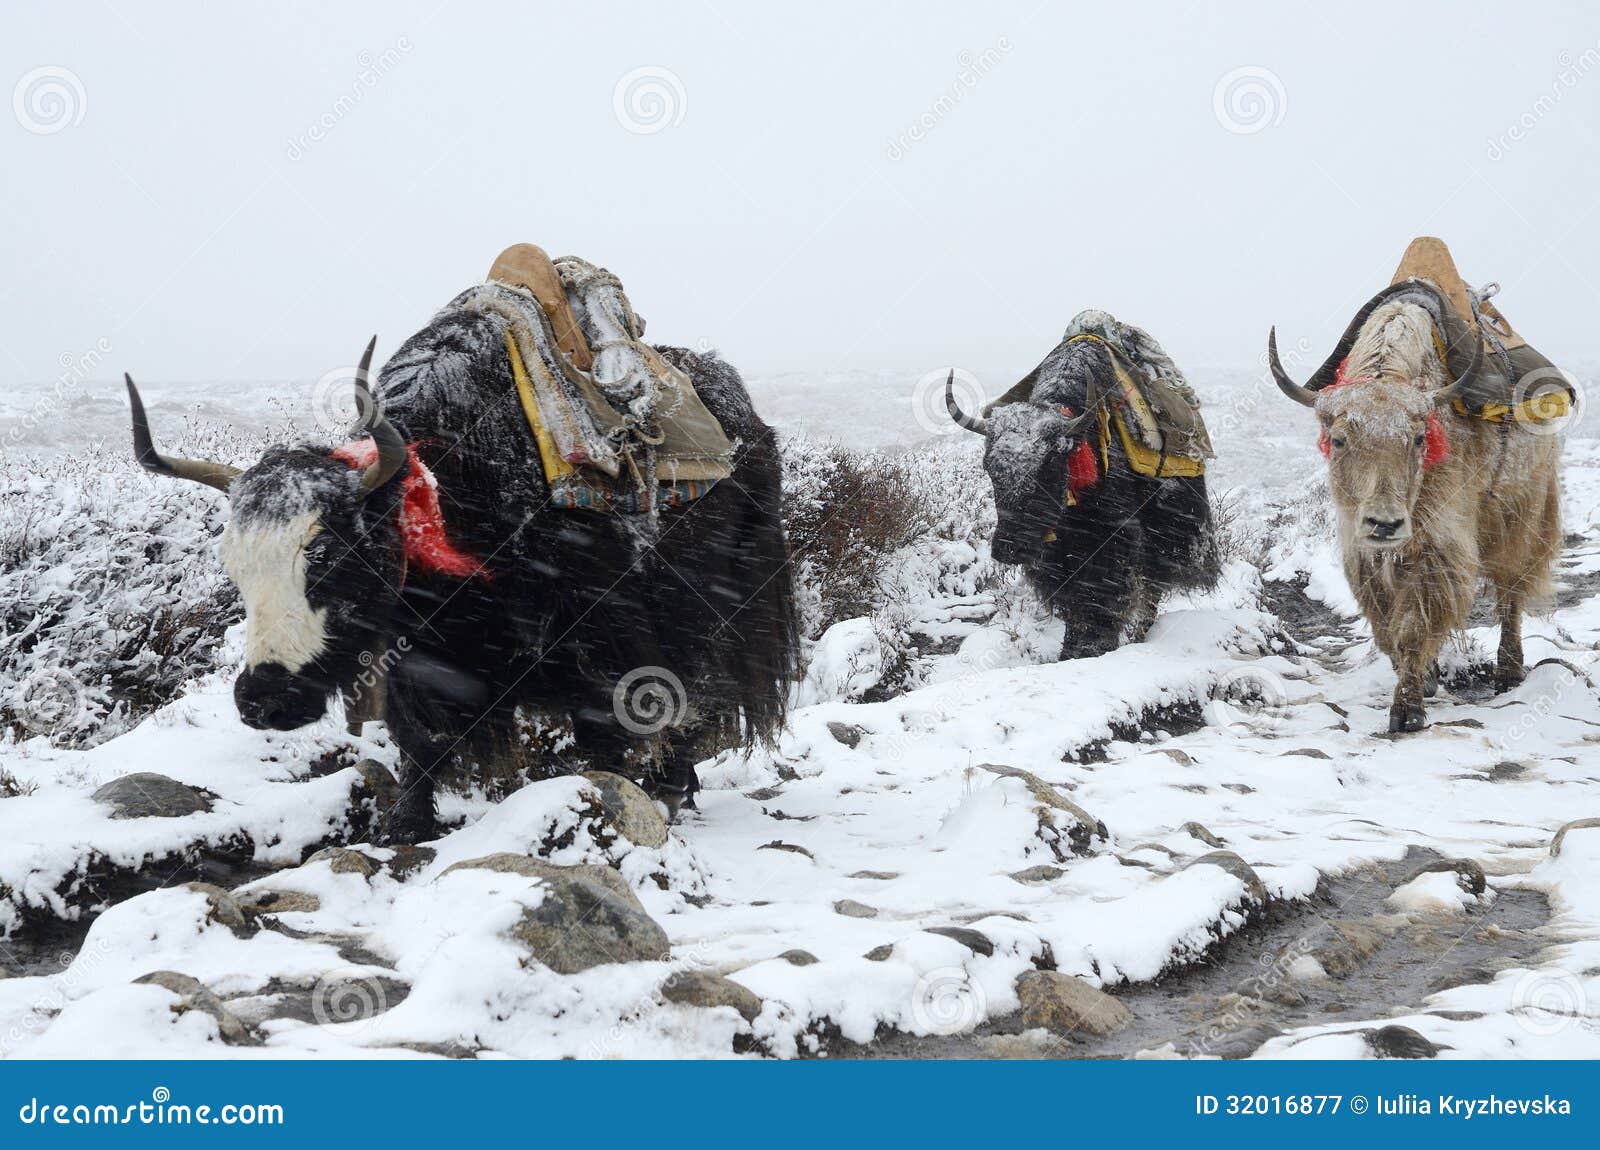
(1437, 447)
(1083, 469)
(422, 534)
(1323, 445)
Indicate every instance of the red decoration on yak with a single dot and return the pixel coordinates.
(422, 533)
(1436, 449)
(1083, 469)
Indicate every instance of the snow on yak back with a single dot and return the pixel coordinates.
(1434, 484)
(1101, 525)
(432, 539)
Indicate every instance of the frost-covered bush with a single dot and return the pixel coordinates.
(111, 594)
(890, 538)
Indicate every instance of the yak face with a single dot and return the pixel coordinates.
(1377, 436)
(1027, 451)
(1381, 426)
(317, 580)
(311, 553)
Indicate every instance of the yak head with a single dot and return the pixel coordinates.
(1028, 453)
(313, 557)
(1381, 422)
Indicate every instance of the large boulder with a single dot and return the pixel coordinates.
(1063, 1004)
(147, 795)
(582, 922)
(507, 862)
(193, 995)
(629, 809)
(699, 988)
(1065, 827)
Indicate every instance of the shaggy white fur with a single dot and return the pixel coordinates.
(267, 562)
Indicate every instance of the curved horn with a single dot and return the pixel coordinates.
(963, 420)
(391, 447)
(217, 475)
(1302, 395)
(1458, 386)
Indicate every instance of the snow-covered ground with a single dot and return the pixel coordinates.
(894, 875)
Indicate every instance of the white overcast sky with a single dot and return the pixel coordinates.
(165, 209)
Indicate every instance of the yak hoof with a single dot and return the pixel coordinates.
(1404, 719)
(406, 831)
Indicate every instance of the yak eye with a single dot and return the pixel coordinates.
(1336, 441)
(1418, 441)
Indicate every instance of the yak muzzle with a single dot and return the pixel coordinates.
(272, 698)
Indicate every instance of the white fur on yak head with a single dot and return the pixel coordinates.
(1381, 423)
(307, 547)
(1028, 450)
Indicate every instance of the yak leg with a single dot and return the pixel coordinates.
(1508, 670)
(1414, 655)
(1098, 596)
(411, 819)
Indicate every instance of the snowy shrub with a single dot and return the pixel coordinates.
(111, 594)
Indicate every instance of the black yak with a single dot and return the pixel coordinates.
(435, 543)
(1098, 542)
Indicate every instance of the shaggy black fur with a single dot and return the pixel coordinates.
(1127, 541)
(574, 600)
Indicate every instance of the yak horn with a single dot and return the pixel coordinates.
(217, 475)
(391, 447)
(1458, 386)
(963, 420)
(1302, 395)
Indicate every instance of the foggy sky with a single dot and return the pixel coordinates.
(217, 193)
